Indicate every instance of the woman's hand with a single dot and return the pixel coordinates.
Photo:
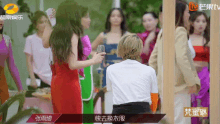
(98, 57)
(33, 83)
(147, 42)
(193, 89)
(151, 36)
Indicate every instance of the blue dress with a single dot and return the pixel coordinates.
(110, 58)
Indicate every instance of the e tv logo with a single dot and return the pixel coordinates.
(193, 6)
(11, 8)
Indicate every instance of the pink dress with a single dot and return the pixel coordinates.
(6, 54)
(143, 36)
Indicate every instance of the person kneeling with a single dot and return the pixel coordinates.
(134, 85)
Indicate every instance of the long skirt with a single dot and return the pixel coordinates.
(202, 99)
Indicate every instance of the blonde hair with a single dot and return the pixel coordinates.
(130, 47)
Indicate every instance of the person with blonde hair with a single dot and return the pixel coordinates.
(132, 82)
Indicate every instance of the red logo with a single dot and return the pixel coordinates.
(193, 6)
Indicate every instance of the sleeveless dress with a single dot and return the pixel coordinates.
(65, 90)
(110, 58)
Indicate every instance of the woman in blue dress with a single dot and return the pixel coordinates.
(115, 28)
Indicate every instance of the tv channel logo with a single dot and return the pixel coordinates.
(11, 8)
(193, 6)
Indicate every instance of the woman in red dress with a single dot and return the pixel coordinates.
(64, 39)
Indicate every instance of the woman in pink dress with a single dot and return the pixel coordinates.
(66, 46)
(149, 37)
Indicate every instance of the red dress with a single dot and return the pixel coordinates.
(65, 90)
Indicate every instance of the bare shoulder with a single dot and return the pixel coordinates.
(99, 38)
(74, 39)
(101, 35)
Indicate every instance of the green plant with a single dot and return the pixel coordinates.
(134, 10)
(24, 8)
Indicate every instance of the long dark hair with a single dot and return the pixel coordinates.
(123, 23)
(206, 34)
(152, 13)
(68, 22)
(37, 15)
(180, 8)
(155, 16)
(2, 12)
(161, 8)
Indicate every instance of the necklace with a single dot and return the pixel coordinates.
(198, 33)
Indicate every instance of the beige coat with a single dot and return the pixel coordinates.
(185, 72)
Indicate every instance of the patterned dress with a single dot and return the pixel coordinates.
(110, 58)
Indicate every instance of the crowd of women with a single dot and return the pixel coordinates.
(56, 55)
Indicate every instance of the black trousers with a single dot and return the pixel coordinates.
(131, 108)
(32, 90)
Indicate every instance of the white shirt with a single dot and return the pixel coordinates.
(41, 57)
(192, 50)
(131, 81)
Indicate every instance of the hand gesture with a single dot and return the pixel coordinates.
(192, 89)
(33, 83)
(151, 36)
(98, 57)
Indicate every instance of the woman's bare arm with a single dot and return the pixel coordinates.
(73, 59)
(147, 42)
(46, 36)
(96, 42)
